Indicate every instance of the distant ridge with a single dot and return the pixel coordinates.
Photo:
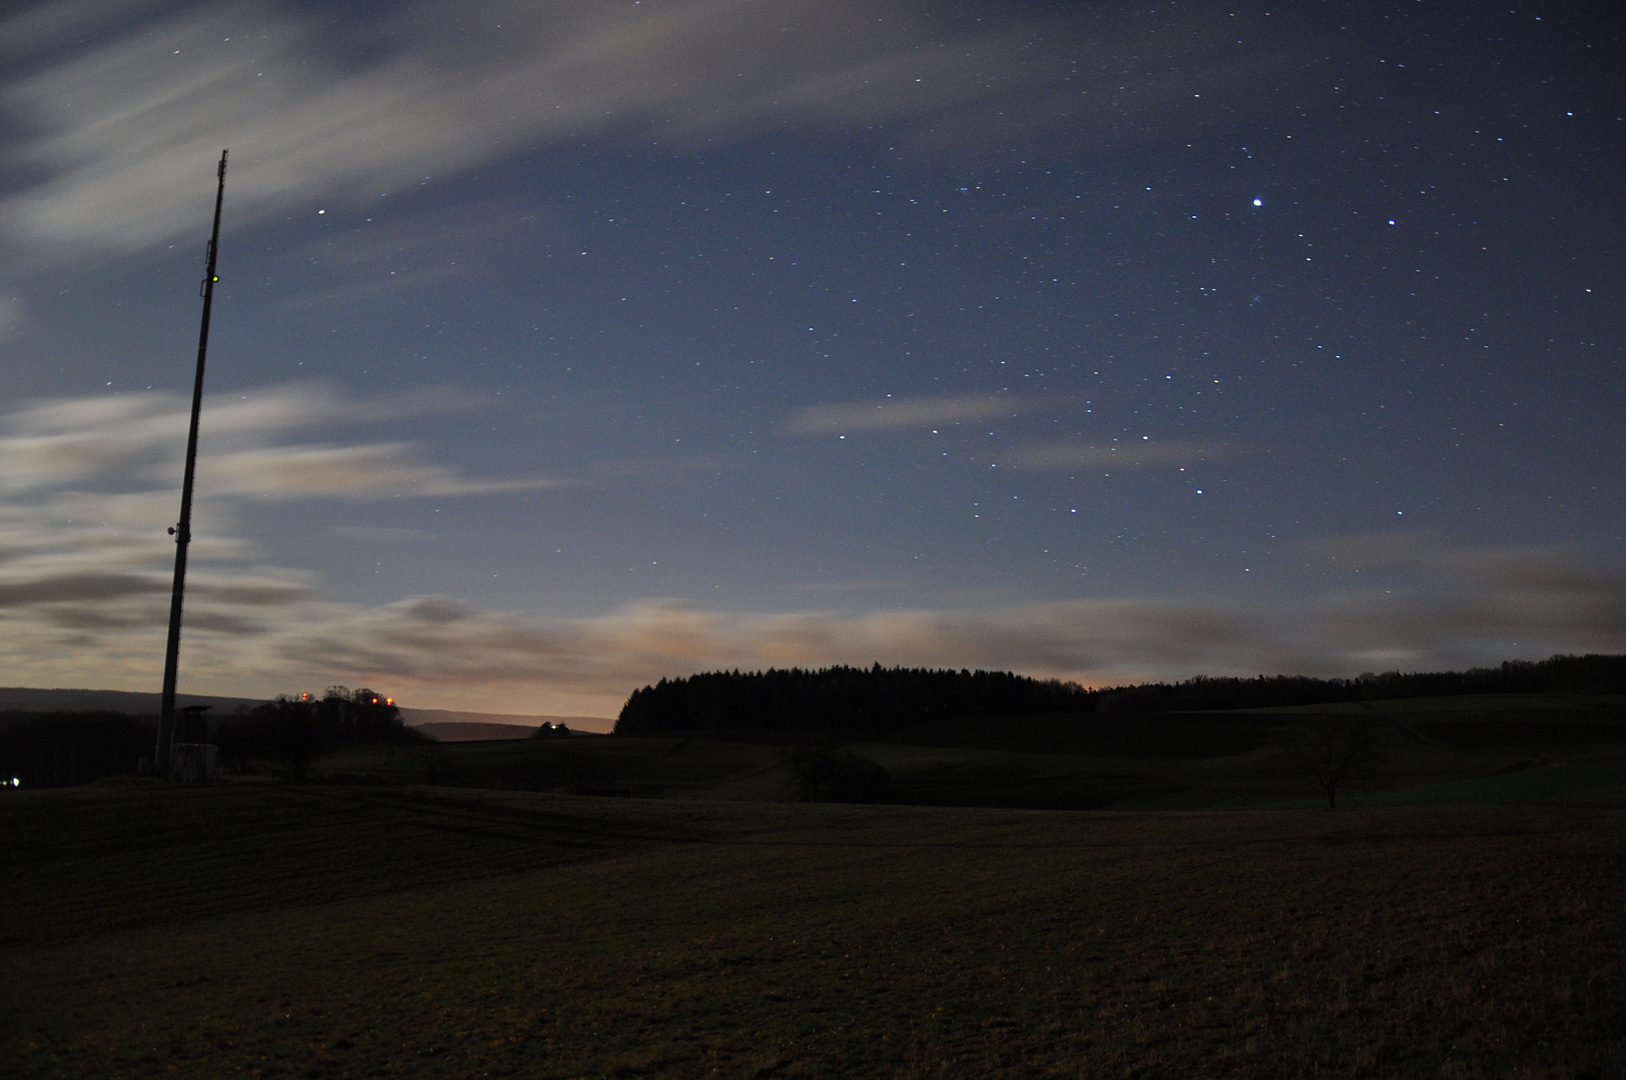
(34, 699)
(29, 699)
(472, 732)
(432, 720)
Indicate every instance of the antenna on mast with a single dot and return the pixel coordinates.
(183, 529)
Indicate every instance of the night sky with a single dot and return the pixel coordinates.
(560, 347)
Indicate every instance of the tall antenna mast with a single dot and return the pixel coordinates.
(183, 529)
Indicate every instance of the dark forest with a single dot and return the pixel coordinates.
(878, 700)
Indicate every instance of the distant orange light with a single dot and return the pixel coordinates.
(389, 701)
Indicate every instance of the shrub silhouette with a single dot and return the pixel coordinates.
(294, 731)
(819, 775)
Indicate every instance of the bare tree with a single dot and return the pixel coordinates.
(818, 775)
(1337, 752)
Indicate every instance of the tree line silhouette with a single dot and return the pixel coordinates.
(292, 732)
(49, 749)
(57, 749)
(837, 699)
(879, 699)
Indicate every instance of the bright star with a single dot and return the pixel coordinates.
(1258, 202)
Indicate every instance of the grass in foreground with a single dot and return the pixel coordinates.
(261, 929)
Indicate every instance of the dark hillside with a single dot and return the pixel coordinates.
(1172, 735)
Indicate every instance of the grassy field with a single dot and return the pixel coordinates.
(1466, 920)
(342, 929)
(1462, 749)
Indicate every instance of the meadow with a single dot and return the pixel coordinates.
(1463, 921)
(1451, 749)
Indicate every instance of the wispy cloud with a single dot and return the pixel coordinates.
(123, 106)
(149, 105)
(1064, 456)
(1425, 594)
(87, 486)
(846, 586)
(406, 252)
(1434, 555)
(374, 471)
(84, 575)
(11, 316)
(75, 587)
(259, 630)
(139, 438)
(381, 534)
(591, 664)
(901, 414)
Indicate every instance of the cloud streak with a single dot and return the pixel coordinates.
(87, 487)
(11, 317)
(901, 414)
(118, 132)
(591, 664)
(84, 576)
(263, 630)
(374, 471)
(1061, 457)
(122, 125)
(140, 438)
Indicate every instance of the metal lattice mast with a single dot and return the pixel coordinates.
(183, 529)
